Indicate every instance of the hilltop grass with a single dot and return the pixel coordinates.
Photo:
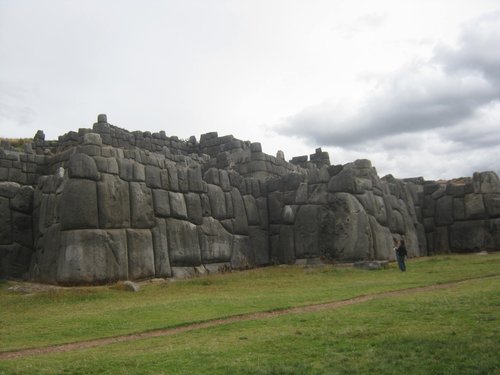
(446, 331)
(69, 315)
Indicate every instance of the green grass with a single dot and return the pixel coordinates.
(444, 331)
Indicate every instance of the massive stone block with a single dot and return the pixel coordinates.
(160, 248)
(382, 241)
(193, 206)
(183, 243)
(140, 254)
(215, 241)
(141, 206)
(306, 231)
(469, 236)
(78, 206)
(91, 256)
(82, 166)
(113, 201)
(153, 178)
(492, 203)
(161, 202)
(22, 229)
(444, 210)
(217, 202)
(251, 209)
(474, 207)
(5, 222)
(259, 244)
(242, 256)
(177, 205)
(351, 229)
(240, 225)
(23, 200)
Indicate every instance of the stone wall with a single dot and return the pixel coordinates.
(105, 204)
(462, 215)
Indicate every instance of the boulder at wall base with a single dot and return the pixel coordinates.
(14, 260)
(216, 242)
(183, 243)
(307, 230)
(140, 254)
(242, 256)
(351, 239)
(5, 222)
(91, 256)
(259, 243)
(470, 236)
(382, 241)
(160, 248)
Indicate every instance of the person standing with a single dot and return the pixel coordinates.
(401, 255)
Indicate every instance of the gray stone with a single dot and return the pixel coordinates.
(141, 206)
(217, 201)
(458, 209)
(183, 243)
(301, 193)
(275, 205)
(351, 237)
(382, 240)
(130, 286)
(14, 261)
(259, 244)
(5, 222)
(92, 139)
(126, 169)
(242, 256)
(160, 248)
(318, 194)
(82, 166)
(182, 178)
(138, 172)
(344, 182)
(474, 206)
(22, 229)
(444, 210)
(153, 179)
(177, 205)
(91, 256)
(229, 205)
(195, 179)
(140, 254)
(23, 200)
(492, 203)
(216, 242)
(225, 184)
(306, 231)
(289, 212)
(113, 201)
(263, 212)
(193, 206)
(240, 225)
(486, 183)
(251, 210)
(205, 205)
(469, 235)
(286, 245)
(371, 265)
(441, 240)
(161, 202)
(78, 206)
(172, 176)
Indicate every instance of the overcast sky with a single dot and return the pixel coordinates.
(413, 86)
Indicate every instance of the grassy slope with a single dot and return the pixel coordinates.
(324, 342)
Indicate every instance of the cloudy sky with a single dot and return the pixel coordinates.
(413, 86)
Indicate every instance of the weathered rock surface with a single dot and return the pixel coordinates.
(105, 204)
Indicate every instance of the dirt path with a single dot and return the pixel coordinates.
(216, 322)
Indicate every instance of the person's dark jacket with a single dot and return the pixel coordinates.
(401, 250)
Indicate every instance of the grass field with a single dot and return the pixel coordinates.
(454, 330)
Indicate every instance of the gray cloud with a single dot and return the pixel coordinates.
(440, 94)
